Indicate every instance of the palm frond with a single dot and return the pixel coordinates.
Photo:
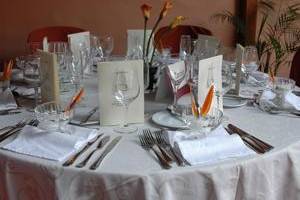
(227, 16)
(266, 6)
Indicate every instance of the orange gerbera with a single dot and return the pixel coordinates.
(146, 10)
(167, 6)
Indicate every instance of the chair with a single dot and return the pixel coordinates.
(295, 68)
(53, 34)
(171, 39)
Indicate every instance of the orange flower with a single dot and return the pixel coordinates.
(7, 71)
(177, 21)
(76, 99)
(167, 6)
(207, 102)
(146, 10)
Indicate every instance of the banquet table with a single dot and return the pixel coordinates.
(130, 172)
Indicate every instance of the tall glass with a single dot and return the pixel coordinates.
(96, 51)
(126, 89)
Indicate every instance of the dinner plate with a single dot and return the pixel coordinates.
(232, 102)
(166, 119)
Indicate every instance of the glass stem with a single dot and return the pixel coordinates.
(36, 96)
(125, 116)
(175, 98)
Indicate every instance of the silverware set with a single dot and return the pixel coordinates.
(251, 141)
(8, 131)
(156, 142)
(101, 143)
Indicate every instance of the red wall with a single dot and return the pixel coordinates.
(19, 17)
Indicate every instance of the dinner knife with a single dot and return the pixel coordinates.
(101, 144)
(262, 144)
(110, 146)
(71, 160)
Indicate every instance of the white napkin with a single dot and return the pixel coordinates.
(51, 145)
(217, 146)
(24, 91)
(7, 100)
(291, 100)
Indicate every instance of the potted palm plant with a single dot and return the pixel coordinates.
(278, 35)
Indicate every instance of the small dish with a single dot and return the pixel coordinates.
(166, 119)
(232, 102)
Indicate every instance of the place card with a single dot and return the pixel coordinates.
(49, 76)
(76, 39)
(45, 44)
(210, 72)
(110, 112)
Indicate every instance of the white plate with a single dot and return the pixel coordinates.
(164, 118)
(231, 102)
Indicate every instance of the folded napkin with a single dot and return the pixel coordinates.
(25, 91)
(7, 100)
(199, 149)
(268, 99)
(51, 145)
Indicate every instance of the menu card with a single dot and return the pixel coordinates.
(210, 72)
(110, 112)
(164, 90)
(49, 76)
(79, 38)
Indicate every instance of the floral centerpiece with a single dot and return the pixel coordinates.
(146, 10)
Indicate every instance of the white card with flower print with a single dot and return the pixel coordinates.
(76, 39)
(210, 72)
(111, 112)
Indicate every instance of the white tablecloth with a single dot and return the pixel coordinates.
(130, 172)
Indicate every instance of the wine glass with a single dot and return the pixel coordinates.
(31, 74)
(126, 89)
(177, 75)
(185, 46)
(250, 60)
(107, 43)
(96, 52)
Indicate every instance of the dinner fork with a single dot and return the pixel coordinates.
(147, 145)
(161, 139)
(165, 154)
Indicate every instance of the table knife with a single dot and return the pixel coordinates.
(101, 144)
(260, 143)
(110, 146)
(89, 115)
(71, 160)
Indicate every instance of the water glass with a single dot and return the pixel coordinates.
(96, 51)
(126, 89)
(250, 59)
(53, 117)
(185, 46)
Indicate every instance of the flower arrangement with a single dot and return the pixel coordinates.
(146, 10)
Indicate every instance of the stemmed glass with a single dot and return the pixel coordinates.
(107, 43)
(31, 74)
(177, 75)
(126, 89)
(96, 53)
(250, 60)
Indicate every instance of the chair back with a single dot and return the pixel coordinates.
(295, 68)
(171, 39)
(53, 34)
